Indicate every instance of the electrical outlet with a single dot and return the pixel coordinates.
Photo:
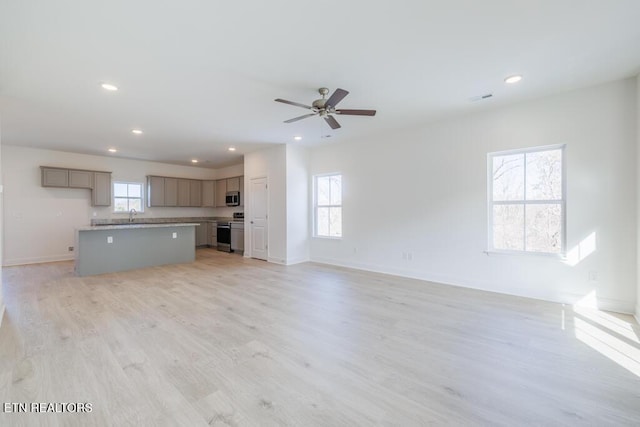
(109, 239)
(174, 235)
(593, 276)
(410, 256)
(70, 248)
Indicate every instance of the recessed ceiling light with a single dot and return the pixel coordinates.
(109, 86)
(297, 138)
(513, 79)
(112, 150)
(194, 160)
(232, 148)
(137, 131)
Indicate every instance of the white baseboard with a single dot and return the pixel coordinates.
(276, 260)
(637, 315)
(37, 260)
(607, 304)
(297, 260)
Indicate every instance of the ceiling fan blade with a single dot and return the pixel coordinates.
(357, 112)
(295, 119)
(332, 122)
(337, 96)
(297, 104)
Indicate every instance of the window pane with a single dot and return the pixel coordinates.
(508, 177)
(135, 204)
(508, 227)
(544, 229)
(544, 175)
(120, 204)
(135, 190)
(322, 222)
(119, 190)
(335, 222)
(323, 190)
(336, 189)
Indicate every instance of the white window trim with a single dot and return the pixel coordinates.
(113, 196)
(563, 202)
(315, 207)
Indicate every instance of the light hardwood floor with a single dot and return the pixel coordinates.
(232, 341)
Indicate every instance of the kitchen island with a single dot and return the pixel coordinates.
(110, 248)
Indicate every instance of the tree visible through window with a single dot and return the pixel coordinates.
(127, 196)
(527, 201)
(328, 206)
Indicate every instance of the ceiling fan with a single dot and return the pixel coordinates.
(327, 107)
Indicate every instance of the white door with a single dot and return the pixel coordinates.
(258, 221)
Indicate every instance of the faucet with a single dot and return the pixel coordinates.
(132, 212)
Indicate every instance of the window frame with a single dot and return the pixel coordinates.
(113, 196)
(562, 202)
(316, 206)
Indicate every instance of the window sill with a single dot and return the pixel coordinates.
(327, 237)
(560, 257)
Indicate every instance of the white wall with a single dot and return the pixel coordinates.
(423, 191)
(270, 163)
(298, 217)
(39, 222)
(1, 229)
(638, 195)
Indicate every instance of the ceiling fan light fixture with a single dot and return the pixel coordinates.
(232, 148)
(297, 138)
(194, 160)
(112, 150)
(136, 131)
(513, 79)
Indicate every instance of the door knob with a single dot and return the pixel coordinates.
(251, 222)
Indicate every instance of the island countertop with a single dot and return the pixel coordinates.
(136, 226)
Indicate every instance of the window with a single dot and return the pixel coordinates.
(328, 206)
(527, 200)
(127, 196)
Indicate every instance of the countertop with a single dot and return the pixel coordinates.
(136, 226)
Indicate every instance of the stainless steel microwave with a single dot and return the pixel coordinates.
(233, 198)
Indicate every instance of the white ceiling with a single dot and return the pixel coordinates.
(199, 76)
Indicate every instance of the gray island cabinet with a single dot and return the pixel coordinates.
(111, 248)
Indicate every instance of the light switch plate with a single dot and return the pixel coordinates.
(109, 239)
(175, 235)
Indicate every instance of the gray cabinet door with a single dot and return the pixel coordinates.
(52, 177)
(201, 234)
(237, 239)
(80, 179)
(184, 192)
(233, 184)
(101, 189)
(195, 195)
(221, 193)
(242, 191)
(170, 192)
(156, 191)
(213, 232)
(209, 194)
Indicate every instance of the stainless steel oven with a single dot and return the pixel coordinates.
(224, 236)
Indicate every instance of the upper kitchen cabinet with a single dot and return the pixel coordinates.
(195, 193)
(221, 193)
(101, 194)
(209, 194)
(170, 191)
(98, 182)
(184, 192)
(54, 177)
(80, 179)
(233, 184)
(155, 191)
